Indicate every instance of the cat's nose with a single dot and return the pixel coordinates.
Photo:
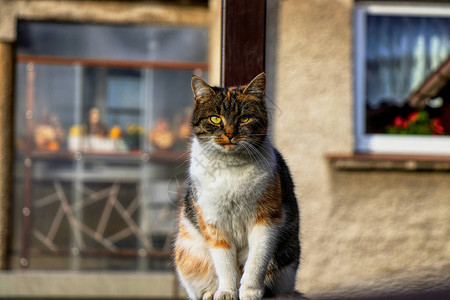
(229, 135)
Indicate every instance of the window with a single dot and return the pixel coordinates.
(402, 100)
(102, 120)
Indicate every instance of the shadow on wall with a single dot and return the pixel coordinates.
(272, 21)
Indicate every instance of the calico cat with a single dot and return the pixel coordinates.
(238, 231)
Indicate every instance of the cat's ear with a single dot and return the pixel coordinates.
(202, 91)
(257, 87)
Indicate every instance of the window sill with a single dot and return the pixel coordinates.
(383, 162)
(123, 285)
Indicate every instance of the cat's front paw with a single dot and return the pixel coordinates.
(226, 295)
(208, 296)
(250, 293)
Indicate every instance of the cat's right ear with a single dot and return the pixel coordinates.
(202, 91)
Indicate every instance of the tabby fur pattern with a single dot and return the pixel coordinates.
(238, 227)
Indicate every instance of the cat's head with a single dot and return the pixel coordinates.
(230, 119)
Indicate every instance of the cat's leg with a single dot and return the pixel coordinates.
(262, 241)
(196, 271)
(261, 247)
(225, 263)
(194, 263)
(282, 270)
(224, 258)
(193, 293)
(281, 281)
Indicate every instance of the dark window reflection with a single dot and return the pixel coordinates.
(402, 52)
(101, 144)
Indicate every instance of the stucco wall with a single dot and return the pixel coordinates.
(361, 231)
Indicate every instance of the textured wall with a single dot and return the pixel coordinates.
(361, 231)
(215, 30)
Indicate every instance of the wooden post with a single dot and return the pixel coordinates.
(243, 40)
(6, 145)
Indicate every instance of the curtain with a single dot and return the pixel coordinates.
(401, 53)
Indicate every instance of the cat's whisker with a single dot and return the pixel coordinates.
(266, 151)
(249, 152)
(182, 155)
(186, 159)
(183, 163)
(259, 156)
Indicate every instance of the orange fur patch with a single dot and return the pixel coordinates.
(191, 265)
(183, 233)
(229, 128)
(269, 205)
(271, 271)
(223, 140)
(213, 236)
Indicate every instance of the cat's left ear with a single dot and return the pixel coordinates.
(257, 87)
(202, 91)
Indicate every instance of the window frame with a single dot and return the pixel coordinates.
(388, 143)
(140, 158)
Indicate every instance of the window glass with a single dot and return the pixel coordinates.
(401, 53)
(112, 41)
(401, 78)
(101, 143)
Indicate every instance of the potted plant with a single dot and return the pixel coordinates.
(418, 123)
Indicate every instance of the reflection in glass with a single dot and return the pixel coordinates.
(402, 52)
(122, 42)
(101, 144)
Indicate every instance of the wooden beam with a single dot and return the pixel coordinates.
(6, 146)
(243, 40)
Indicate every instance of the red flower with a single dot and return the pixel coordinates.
(413, 117)
(439, 129)
(436, 121)
(405, 124)
(398, 121)
(436, 126)
(418, 122)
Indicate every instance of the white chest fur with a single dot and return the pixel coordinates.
(227, 191)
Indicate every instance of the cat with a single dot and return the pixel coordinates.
(238, 226)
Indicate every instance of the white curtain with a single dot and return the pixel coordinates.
(401, 53)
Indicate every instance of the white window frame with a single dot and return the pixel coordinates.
(389, 143)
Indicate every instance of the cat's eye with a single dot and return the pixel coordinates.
(244, 119)
(215, 120)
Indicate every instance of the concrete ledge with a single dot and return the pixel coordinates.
(365, 162)
(33, 284)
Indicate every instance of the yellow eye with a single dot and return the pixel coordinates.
(215, 119)
(244, 119)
